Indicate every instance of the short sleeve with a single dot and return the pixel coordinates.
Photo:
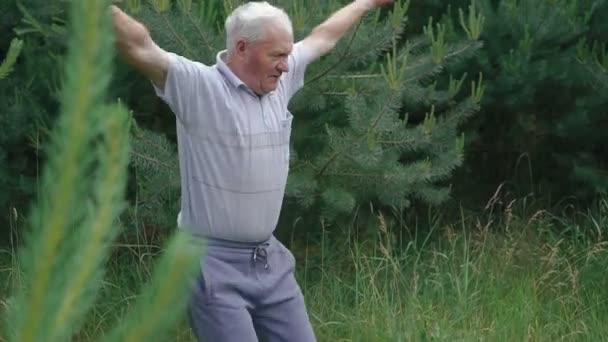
(298, 62)
(184, 83)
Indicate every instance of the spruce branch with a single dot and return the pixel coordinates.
(594, 60)
(361, 138)
(396, 142)
(344, 54)
(83, 184)
(596, 54)
(337, 201)
(438, 44)
(133, 6)
(398, 14)
(583, 52)
(98, 230)
(465, 49)
(474, 25)
(14, 51)
(150, 159)
(173, 277)
(455, 85)
(477, 89)
(394, 73)
(176, 36)
(298, 15)
(55, 215)
(393, 175)
(426, 69)
(430, 121)
(185, 6)
(200, 32)
(460, 143)
(32, 24)
(161, 6)
(461, 111)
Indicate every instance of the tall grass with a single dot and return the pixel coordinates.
(518, 280)
(506, 277)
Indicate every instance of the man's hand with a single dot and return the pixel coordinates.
(137, 47)
(371, 4)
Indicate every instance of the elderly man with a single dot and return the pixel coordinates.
(233, 130)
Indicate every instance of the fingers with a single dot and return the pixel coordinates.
(115, 10)
(121, 19)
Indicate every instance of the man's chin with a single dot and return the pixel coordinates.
(268, 89)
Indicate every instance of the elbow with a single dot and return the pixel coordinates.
(130, 34)
(324, 39)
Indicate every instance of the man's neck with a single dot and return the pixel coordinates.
(239, 72)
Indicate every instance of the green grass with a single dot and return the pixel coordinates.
(475, 286)
(533, 278)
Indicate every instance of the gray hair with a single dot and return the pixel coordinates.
(249, 21)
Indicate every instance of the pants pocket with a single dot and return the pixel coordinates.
(203, 289)
(287, 257)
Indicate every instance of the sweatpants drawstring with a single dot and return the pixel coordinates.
(261, 252)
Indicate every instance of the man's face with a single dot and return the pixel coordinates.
(266, 60)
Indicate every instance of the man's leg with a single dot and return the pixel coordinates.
(218, 310)
(211, 324)
(281, 315)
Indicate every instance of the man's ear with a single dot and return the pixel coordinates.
(241, 47)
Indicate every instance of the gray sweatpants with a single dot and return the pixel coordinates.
(248, 292)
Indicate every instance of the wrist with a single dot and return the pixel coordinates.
(366, 4)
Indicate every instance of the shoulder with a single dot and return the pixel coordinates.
(180, 63)
(301, 53)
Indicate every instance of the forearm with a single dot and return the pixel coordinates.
(334, 27)
(135, 45)
(325, 36)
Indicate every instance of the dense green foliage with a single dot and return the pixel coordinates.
(370, 124)
(545, 105)
(73, 223)
(380, 118)
(23, 96)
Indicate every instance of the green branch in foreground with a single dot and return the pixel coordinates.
(74, 222)
(162, 303)
(64, 201)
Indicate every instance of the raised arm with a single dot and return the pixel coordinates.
(324, 37)
(135, 44)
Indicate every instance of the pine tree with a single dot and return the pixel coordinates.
(28, 96)
(539, 105)
(372, 124)
(157, 180)
(73, 222)
(584, 128)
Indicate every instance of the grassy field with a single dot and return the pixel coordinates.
(521, 276)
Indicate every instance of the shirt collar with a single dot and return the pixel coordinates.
(229, 75)
(225, 70)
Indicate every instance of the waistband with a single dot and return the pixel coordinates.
(236, 246)
(257, 251)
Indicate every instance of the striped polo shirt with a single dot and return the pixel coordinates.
(233, 146)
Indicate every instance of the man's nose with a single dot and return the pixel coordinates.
(283, 66)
